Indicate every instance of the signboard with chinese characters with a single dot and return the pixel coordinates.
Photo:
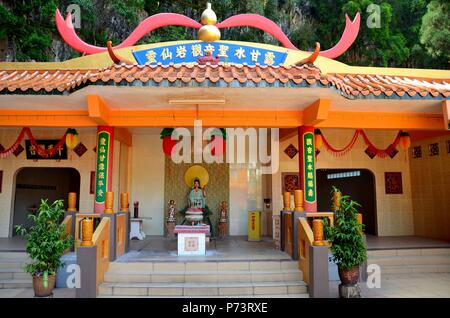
(227, 52)
(32, 154)
(101, 179)
(309, 171)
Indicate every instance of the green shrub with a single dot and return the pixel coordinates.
(347, 245)
(46, 239)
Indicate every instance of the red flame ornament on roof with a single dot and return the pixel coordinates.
(67, 31)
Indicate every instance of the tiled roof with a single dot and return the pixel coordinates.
(349, 85)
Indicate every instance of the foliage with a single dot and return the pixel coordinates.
(29, 24)
(435, 29)
(46, 239)
(166, 132)
(412, 33)
(347, 245)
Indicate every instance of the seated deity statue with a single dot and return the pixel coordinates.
(196, 199)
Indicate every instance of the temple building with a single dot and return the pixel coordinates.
(103, 123)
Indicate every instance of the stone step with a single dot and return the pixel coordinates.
(304, 295)
(16, 283)
(9, 274)
(206, 266)
(13, 256)
(12, 265)
(201, 289)
(425, 260)
(409, 252)
(202, 277)
(409, 260)
(405, 269)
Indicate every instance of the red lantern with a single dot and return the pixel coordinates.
(220, 150)
(405, 140)
(318, 139)
(168, 145)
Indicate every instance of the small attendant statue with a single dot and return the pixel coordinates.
(171, 212)
(223, 212)
(223, 220)
(170, 225)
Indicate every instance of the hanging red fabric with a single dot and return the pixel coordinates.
(45, 153)
(382, 153)
(343, 151)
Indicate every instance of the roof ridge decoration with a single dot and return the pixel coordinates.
(350, 86)
(67, 31)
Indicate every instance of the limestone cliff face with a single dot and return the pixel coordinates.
(100, 20)
(103, 20)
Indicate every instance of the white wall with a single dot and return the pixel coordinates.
(394, 211)
(12, 164)
(245, 195)
(147, 180)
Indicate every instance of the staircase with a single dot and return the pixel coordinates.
(12, 274)
(280, 278)
(427, 260)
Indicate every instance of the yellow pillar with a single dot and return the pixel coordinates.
(298, 200)
(124, 204)
(87, 231)
(287, 201)
(336, 200)
(359, 219)
(72, 202)
(109, 202)
(318, 232)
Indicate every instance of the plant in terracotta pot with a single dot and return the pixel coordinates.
(347, 245)
(47, 241)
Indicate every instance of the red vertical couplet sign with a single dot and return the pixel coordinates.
(307, 170)
(103, 170)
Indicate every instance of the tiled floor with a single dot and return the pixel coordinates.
(157, 248)
(412, 285)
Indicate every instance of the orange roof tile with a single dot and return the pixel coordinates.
(350, 85)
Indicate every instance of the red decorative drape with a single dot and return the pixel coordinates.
(45, 153)
(343, 151)
(382, 153)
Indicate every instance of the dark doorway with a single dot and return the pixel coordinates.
(34, 184)
(358, 183)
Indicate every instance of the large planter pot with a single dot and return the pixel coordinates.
(349, 276)
(38, 285)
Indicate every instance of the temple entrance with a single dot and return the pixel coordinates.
(34, 184)
(358, 183)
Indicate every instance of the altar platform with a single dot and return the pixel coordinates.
(234, 248)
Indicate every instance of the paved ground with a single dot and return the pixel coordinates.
(416, 285)
(28, 293)
(420, 285)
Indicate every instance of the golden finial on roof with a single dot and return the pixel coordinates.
(208, 16)
(208, 32)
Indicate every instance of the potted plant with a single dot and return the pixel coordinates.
(347, 245)
(47, 241)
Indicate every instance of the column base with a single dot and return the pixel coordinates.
(349, 291)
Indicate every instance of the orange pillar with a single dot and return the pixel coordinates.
(307, 170)
(103, 175)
